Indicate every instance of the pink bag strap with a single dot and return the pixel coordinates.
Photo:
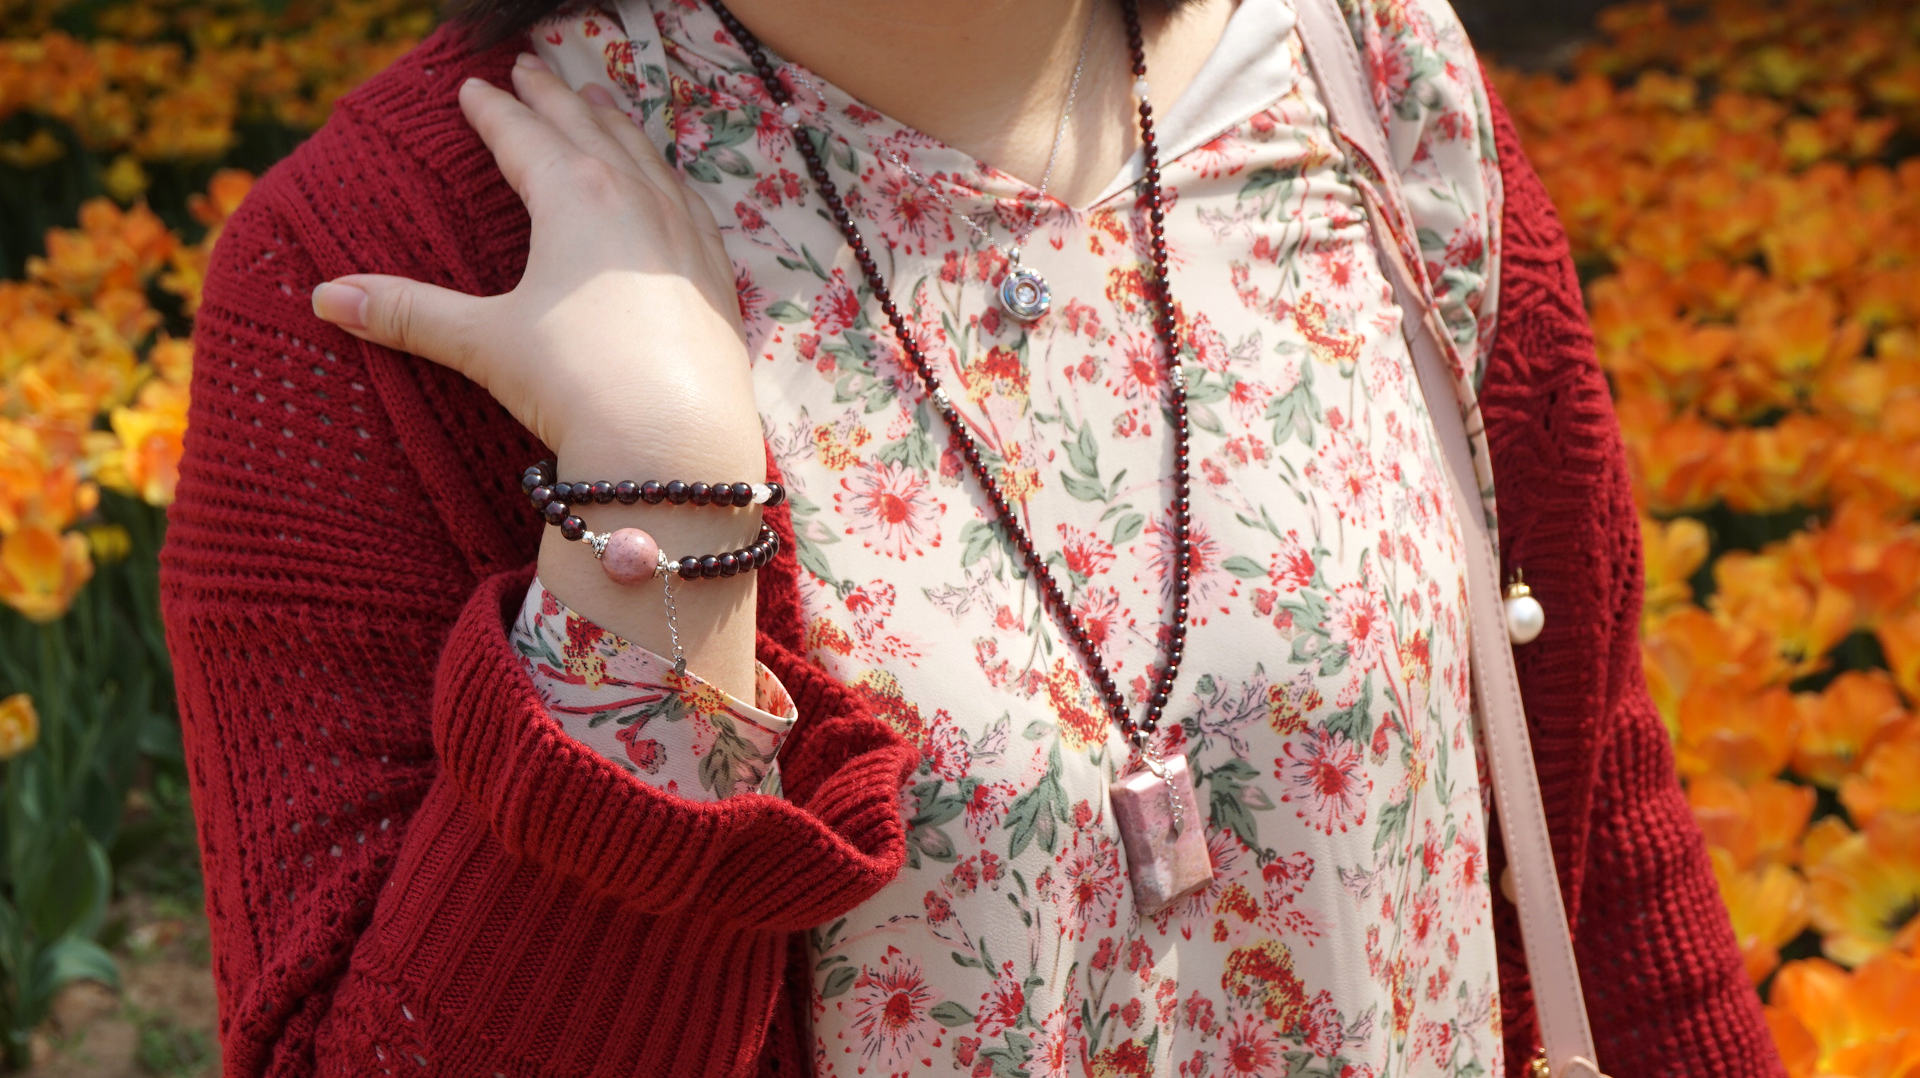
(1566, 1035)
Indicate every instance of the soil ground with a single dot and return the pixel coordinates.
(160, 1024)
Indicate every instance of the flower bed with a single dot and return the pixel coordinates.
(1741, 184)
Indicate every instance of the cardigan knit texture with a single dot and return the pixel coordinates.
(400, 874)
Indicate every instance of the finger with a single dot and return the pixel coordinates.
(521, 141)
(410, 316)
(553, 100)
(621, 128)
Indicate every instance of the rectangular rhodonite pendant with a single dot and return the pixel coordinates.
(1166, 850)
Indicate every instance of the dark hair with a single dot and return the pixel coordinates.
(489, 22)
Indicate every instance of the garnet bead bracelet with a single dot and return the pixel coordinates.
(539, 483)
(631, 556)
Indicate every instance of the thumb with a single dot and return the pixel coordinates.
(429, 321)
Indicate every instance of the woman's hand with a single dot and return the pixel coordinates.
(621, 349)
(625, 323)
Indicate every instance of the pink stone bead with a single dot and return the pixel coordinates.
(632, 556)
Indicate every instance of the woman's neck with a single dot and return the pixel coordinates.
(989, 76)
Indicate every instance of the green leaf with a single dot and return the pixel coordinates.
(932, 841)
(69, 959)
(1205, 419)
(1207, 391)
(786, 310)
(951, 1014)
(1259, 180)
(913, 451)
(1354, 721)
(1083, 452)
(1244, 567)
(939, 810)
(976, 538)
(1227, 803)
(71, 891)
(1393, 823)
(1087, 490)
(814, 560)
(838, 982)
(1128, 527)
(1033, 815)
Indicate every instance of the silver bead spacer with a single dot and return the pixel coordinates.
(939, 395)
(598, 541)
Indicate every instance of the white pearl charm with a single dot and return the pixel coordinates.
(789, 115)
(1140, 88)
(1525, 616)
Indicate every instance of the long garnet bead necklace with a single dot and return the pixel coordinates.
(1139, 732)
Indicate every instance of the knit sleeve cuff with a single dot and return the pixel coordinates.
(772, 863)
(666, 728)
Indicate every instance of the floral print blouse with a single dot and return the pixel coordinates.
(1323, 704)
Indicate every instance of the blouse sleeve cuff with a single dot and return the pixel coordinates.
(673, 731)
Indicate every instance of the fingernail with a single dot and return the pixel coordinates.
(342, 304)
(597, 94)
(531, 62)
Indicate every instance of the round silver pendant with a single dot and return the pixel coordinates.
(1024, 293)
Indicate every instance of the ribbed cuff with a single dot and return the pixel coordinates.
(766, 862)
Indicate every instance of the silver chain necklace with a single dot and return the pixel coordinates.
(1023, 292)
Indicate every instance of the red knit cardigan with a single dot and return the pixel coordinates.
(411, 870)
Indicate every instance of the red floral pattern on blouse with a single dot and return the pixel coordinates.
(1323, 704)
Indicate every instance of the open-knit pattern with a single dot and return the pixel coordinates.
(400, 874)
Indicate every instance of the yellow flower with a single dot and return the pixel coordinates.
(172, 359)
(108, 543)
(38, 149)
(1674, 551)
(145, 462)
(125, 180)
(1865, 886)
(19, 725)
(1768, 907)
(42, 570)
(1828, 1022)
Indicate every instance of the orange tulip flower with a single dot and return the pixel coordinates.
(1832, 1024)
(19, 725)
(1865, 886)
(1885, 780)
(1875, 560)
(1673, 552)
(145, 462)
(1839, 725)
(1754, 825)
(1900, 642)
(1748, 737)
(1768, 907)
(41, 570)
